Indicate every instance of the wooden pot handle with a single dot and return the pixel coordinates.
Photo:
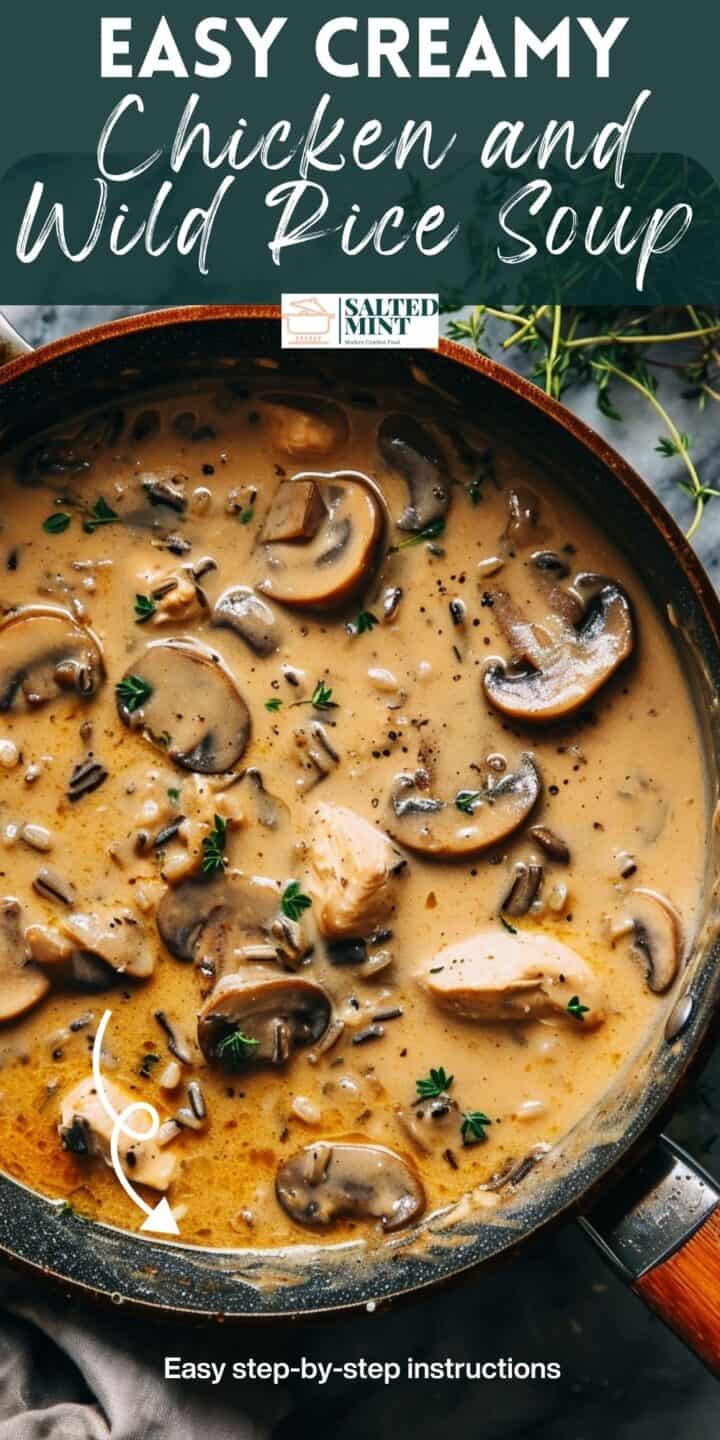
(660, 1228)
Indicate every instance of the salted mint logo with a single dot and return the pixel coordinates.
(356, 322)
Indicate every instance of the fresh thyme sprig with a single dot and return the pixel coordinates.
(213, 847)
(145, 608)
(321, 698)
(434, 1084)
(570, 345)
(293, 901)
(234, 1049)
(473, 1126)
(576, 1009)
(433, 531)
(100, 514)
(466, 800)
(364, 624)
(133, 691)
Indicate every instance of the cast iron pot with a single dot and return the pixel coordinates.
(654, 1213)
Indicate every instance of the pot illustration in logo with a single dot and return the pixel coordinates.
(307, 321)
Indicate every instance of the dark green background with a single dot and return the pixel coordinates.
(53, 105)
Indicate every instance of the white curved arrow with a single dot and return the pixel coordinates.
(160, 1220)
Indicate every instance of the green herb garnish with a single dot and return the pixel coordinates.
(100, 514)
(273, 706)
(174, 795)
(436, 1083)
(321, 698)
(365, 622)
(577, 1010)
(473, 1126)
(245, 516)
(213, 847)
(145, 608)
(57, 524)
(293, 901)
(567, 346)
(133, 691)
(466, 800)
(430, 532)
(234, 1048)
(507, 926)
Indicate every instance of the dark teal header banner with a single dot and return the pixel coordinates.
(178, 156)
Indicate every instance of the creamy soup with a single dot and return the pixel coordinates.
(346, 762)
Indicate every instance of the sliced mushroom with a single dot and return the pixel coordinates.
(657, 935)
(410, 449)
(270, 1014)
(194, 710)
(241, 610)
(326, 1182)
(22, 986)
(353, 865)
(445, 830)
(223, 922)
(576, 662)
(304, 426)
(85, 1129)
(296, 513)
(327, 570)
(45, 653)
(495, 976)
(92, 950)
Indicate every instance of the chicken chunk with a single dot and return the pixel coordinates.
(497, 976)
(353, 867)
(85, 1129)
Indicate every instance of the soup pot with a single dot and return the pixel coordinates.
(650, 1208)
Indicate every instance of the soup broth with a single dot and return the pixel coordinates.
(347, 763)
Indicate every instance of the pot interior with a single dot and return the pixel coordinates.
(175, 348)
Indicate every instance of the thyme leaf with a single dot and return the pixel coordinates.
(145, 608)
(213, 847)
(436, 1083)
(293, 901)
(133, 692)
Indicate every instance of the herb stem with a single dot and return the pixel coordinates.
(552, 355)
(613, 339)
(695, 487)
(527, 325)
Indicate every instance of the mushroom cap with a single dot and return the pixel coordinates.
(45, 653)
(352, 866)
(412, 450)
(657, 935)
(306, 427)
(325, 1182)
(92, 951)
(223, 921)
(496, 976)
(194, 701)
(278, 1012)
(576, 663)
(438, 829)
(22, 986)
(327, 570)
(241, 610)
